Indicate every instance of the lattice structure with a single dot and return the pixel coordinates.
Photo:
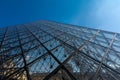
(47, 50)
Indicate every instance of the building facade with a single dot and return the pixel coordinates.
(47, 50)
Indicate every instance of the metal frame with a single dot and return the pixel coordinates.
(45, 49)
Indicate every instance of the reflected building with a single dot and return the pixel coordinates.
(47, 50)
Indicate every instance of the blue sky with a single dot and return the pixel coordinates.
(102, 14)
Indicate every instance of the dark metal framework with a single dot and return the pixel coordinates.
(46, 50)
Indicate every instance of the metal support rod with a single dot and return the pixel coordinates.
(92, 57)
(33, 60)
(95, 60)
(1, 56)
(30, 47)
(22, 54)
(51, 55)
(103, 58)
(3, 37)
(80, 48)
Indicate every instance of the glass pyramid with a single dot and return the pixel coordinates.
(47, 50)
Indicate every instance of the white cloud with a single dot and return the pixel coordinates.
(27, 57)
